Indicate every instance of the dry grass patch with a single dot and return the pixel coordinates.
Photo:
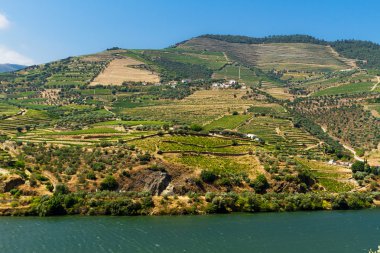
(373, 157)
(126, 69)
(280, 93)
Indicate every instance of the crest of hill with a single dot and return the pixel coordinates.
(298, 52)
(366, 53)
(297, 38)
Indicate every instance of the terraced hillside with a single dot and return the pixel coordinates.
(214, 124)
(279, 56)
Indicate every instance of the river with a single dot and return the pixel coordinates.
(304, 232)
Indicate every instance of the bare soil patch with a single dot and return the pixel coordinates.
(126, 69)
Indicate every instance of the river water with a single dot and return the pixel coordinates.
(304, 232)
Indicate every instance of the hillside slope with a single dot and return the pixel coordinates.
(10, 67)
(225, 124)
(279, 56)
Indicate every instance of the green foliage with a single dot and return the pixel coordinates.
(228, 122)
(208, 176)
(15, 192)
(351, 88)
(316, 130)
(306, 177)
(178, 70)
(91, 175)
(260, 184)
(49, 187)
(196, 128)
(61, 189)
(358, 166)
(109, 183)
(362, 50)
(48, 206)
(274, 202)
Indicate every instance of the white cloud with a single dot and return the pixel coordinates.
(4, 22)
(9, 56)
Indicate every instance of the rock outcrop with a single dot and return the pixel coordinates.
(157, 182)
(10, 183)
(148, 180)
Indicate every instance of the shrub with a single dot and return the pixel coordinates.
(41, 177)
(61, 189)
(144, 158)
(260, 184)
(360, 152)
(360, 175)
(358, 166)
(70, 201)
(91, 175)
(15, 192)
(158, 167)
(306, 177)
(50, 206)
(97, 166)
(210, 196)
(50, 187)
(125, 173)
(196, 128)
(70, 171)
(109, 183)
(208, 176)
(339, 203)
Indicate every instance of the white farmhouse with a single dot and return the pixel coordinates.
(232, 82)
(251, 136)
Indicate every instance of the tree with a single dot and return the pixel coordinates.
(358, 166)
(260, 184)
(109, 183)
(61, 189)
(208, 176)
(51, 206)
(165, 127)
(196, 128)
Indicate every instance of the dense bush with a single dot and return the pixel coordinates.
(208, 176)
(260, 184)
(109, 183)
(358, 166)
(61, 189)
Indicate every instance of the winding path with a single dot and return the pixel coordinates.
(354, 153)
(356, 157)
(375, 85)
(53, 180)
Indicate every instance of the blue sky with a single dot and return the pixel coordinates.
(39, 31)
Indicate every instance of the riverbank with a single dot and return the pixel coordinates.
(132, 203)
